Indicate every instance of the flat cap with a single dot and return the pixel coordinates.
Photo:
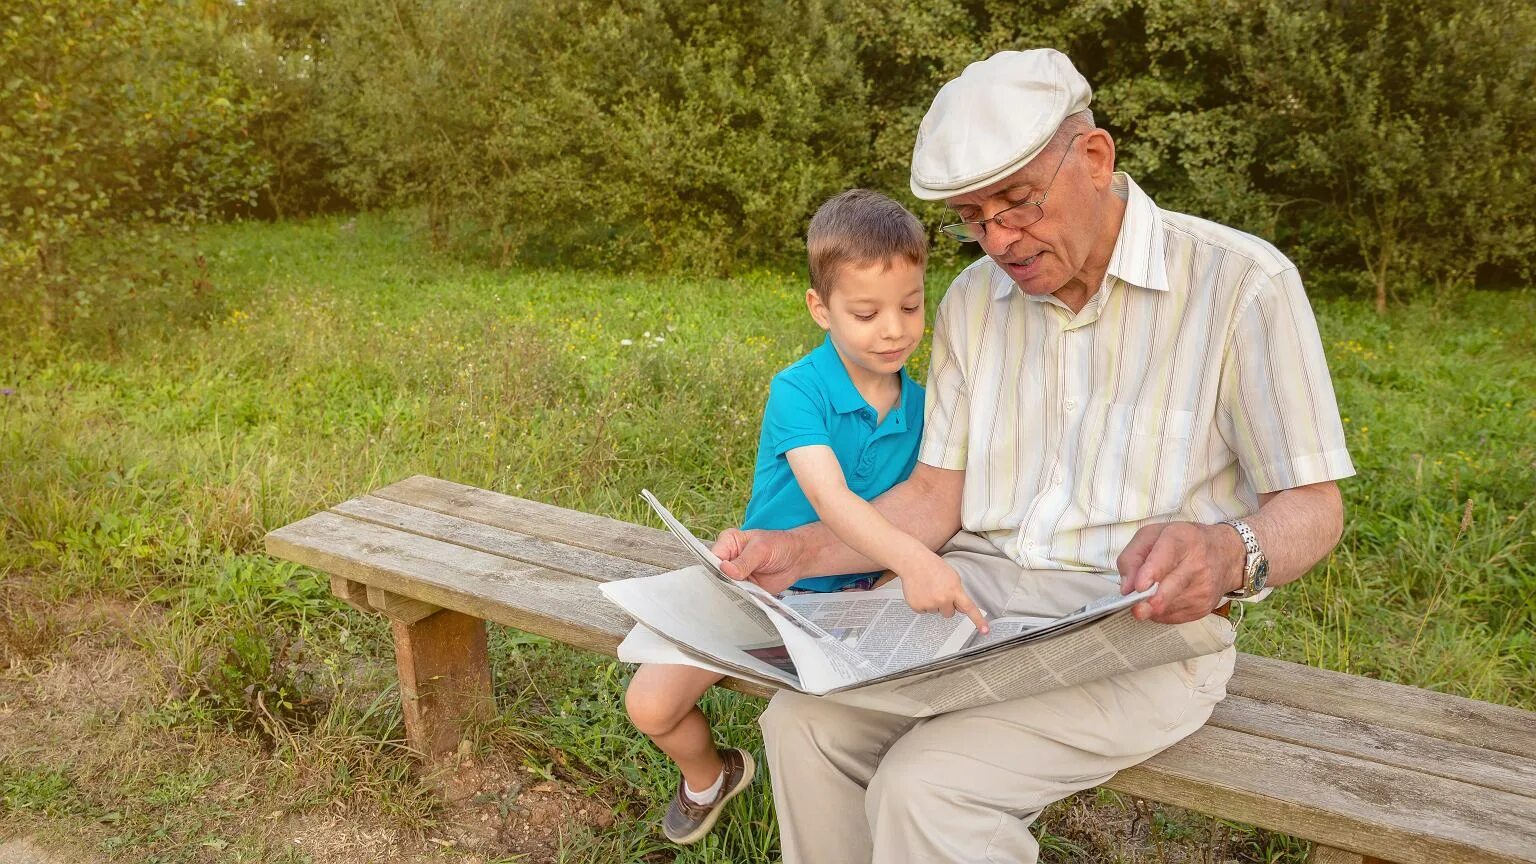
(988, 123)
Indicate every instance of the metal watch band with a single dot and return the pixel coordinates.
(1251, 547)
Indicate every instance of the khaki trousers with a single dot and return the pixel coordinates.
(852, 785)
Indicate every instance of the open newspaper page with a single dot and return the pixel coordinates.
(688, 609)
(1116, 644)
(870, 649)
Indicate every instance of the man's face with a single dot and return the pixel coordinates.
(874, 313)
(1045, 256)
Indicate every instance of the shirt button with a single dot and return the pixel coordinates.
(1070, 406)
(1056, 478)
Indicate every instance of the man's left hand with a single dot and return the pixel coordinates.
(1193, 565)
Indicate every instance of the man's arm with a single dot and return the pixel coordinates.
(926, 506)
(1196, 564)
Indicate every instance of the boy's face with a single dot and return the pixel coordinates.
(874, 313)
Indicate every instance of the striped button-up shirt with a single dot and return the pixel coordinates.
(1193, 380)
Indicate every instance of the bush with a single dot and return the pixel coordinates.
(118, 113)
(655, 134)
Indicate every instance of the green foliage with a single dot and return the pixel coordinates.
(116, 114)
(1384, 145)
(648, 135)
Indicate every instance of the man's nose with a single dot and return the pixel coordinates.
(996, 239)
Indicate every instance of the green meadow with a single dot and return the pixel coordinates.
(168, 692)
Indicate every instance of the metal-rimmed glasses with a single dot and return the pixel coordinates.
(1017, 217)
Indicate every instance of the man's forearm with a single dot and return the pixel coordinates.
(1297, 528)
(926, 506)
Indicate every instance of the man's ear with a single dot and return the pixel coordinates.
(1099, 155)
(818, 309)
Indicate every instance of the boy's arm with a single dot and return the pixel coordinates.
(926, 579)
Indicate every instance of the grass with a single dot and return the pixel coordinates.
(169, 693)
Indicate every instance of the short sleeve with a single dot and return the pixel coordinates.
(946, 424)
(794, 417)
(1277, 407)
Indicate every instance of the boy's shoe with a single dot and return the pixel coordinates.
(687, 822)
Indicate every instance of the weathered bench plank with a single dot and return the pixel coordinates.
(1359, 764)
(1351, 803)
(1441, 715)
(1452, 760)
(571, 527)
(518, 594)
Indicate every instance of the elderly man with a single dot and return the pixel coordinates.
(1117, 392)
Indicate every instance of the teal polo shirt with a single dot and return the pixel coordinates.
(814, 402)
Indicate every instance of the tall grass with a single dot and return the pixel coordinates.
(333, 358)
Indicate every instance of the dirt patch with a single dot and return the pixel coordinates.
(26, 850)
(497, 806)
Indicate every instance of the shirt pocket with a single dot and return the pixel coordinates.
(1143, 460)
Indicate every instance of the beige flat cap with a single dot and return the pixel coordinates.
(989, 122)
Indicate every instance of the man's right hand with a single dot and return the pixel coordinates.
(769, 558)
(934, 586)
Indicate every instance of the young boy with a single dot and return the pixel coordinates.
(841, 426)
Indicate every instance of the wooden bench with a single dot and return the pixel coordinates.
(1369, 771)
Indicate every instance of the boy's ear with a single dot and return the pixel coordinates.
(818, 309)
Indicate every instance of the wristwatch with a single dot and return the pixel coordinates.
(1255, 565)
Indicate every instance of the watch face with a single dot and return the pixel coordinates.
(1260, 576)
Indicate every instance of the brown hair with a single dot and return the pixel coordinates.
(861, 227)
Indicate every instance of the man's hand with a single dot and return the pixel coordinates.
(769, 558)
(1192, 564)
(933, 586)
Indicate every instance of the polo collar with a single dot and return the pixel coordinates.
(846, 398)
(1139, 256)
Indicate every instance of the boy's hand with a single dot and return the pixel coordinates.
(933, 586)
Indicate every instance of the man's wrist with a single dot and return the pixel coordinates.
(1232, 560)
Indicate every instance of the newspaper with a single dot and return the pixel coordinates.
(868, 648)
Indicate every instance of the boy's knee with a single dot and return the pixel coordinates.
(652, 711)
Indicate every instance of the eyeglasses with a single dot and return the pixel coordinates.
(1018, 217)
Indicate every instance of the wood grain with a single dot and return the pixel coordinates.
(399, 607)
(571, 527)
(445, 680)
(1321, 854)
(1352, 804)
(354, 594)
(1452, 760)
(505, 542)
(1395, 706)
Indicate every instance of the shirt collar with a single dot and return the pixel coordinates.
(1139, 250)
(846, 398)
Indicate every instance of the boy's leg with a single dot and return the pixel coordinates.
(662, 701)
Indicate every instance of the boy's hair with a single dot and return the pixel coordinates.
(861, 227)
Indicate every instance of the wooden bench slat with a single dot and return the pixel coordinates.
(1449, 759)
(545, 521)
(1381, 703)
(549, 554)
(1365, 807)
(548, 602)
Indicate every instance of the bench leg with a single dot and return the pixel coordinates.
(1328, 855)
(445, 679)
